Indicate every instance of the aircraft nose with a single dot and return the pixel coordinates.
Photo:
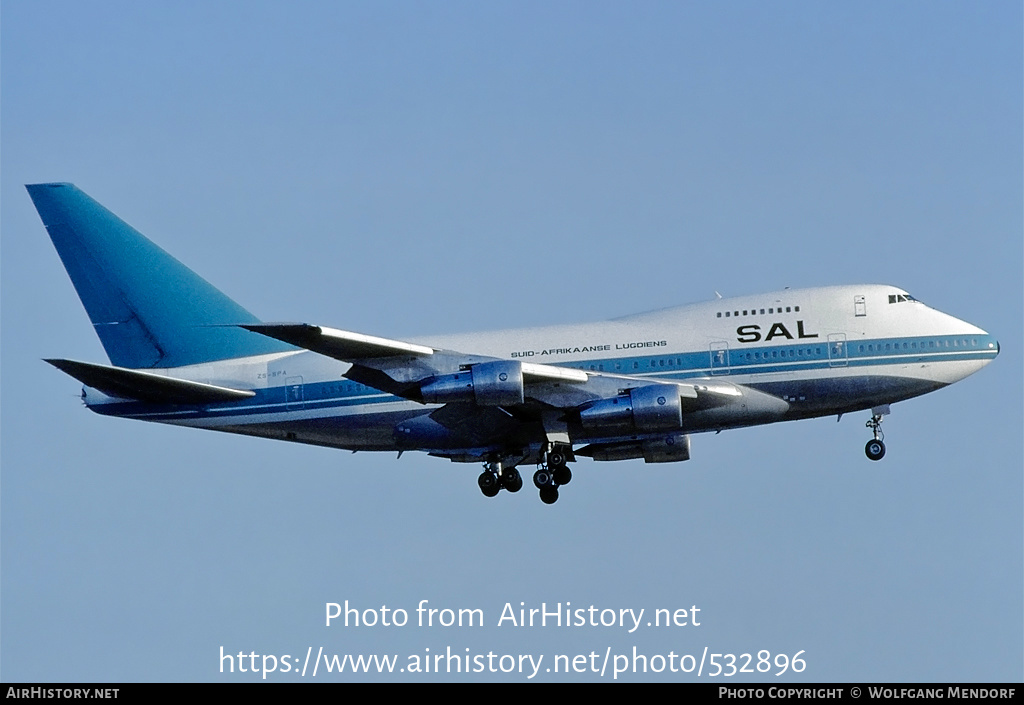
(993, 343)
(993, 346)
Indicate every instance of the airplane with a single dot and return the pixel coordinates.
(638, 387)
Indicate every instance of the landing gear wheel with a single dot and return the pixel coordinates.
(488, 483)
(549, 494)
(553, 472)
(875, 449)
(562, 474)
(542, 478)
(511, 480)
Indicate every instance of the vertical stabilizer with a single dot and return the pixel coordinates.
(148, 309)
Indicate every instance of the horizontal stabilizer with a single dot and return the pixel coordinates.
(339, 344)
(147, 386)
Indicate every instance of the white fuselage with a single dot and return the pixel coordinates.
(822, 351)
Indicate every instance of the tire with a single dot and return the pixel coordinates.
(562, 475)
(488, 483)
(511, 480)
(875, 450)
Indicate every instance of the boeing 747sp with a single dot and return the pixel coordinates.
(181, 352)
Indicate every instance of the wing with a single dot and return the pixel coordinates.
(339, 344)
(491, 407)
(438, 376)
(419, 372)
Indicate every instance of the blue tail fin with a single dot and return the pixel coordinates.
(148, 309)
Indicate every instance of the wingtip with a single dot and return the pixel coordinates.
(265, 328)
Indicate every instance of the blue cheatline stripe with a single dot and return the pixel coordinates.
(343, 394)
(748, 359)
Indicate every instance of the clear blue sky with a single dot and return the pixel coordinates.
(403, 168)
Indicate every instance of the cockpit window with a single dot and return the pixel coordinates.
(900, 298)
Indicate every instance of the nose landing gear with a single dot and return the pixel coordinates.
(875, 448)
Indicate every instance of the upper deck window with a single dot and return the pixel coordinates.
(774, 310)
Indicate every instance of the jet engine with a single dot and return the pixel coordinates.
(672, 448)
(657, 407)
(497, 383)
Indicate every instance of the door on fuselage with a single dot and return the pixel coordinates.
(719, 357)
(837, 356)
(293, 393)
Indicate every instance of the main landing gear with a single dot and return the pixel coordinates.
(875, 448)
(494, 478)
(552, 474)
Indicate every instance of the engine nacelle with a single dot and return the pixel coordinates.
(497, 383)
(672, 448)
(657, 407)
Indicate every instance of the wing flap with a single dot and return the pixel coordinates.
(147, 386)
